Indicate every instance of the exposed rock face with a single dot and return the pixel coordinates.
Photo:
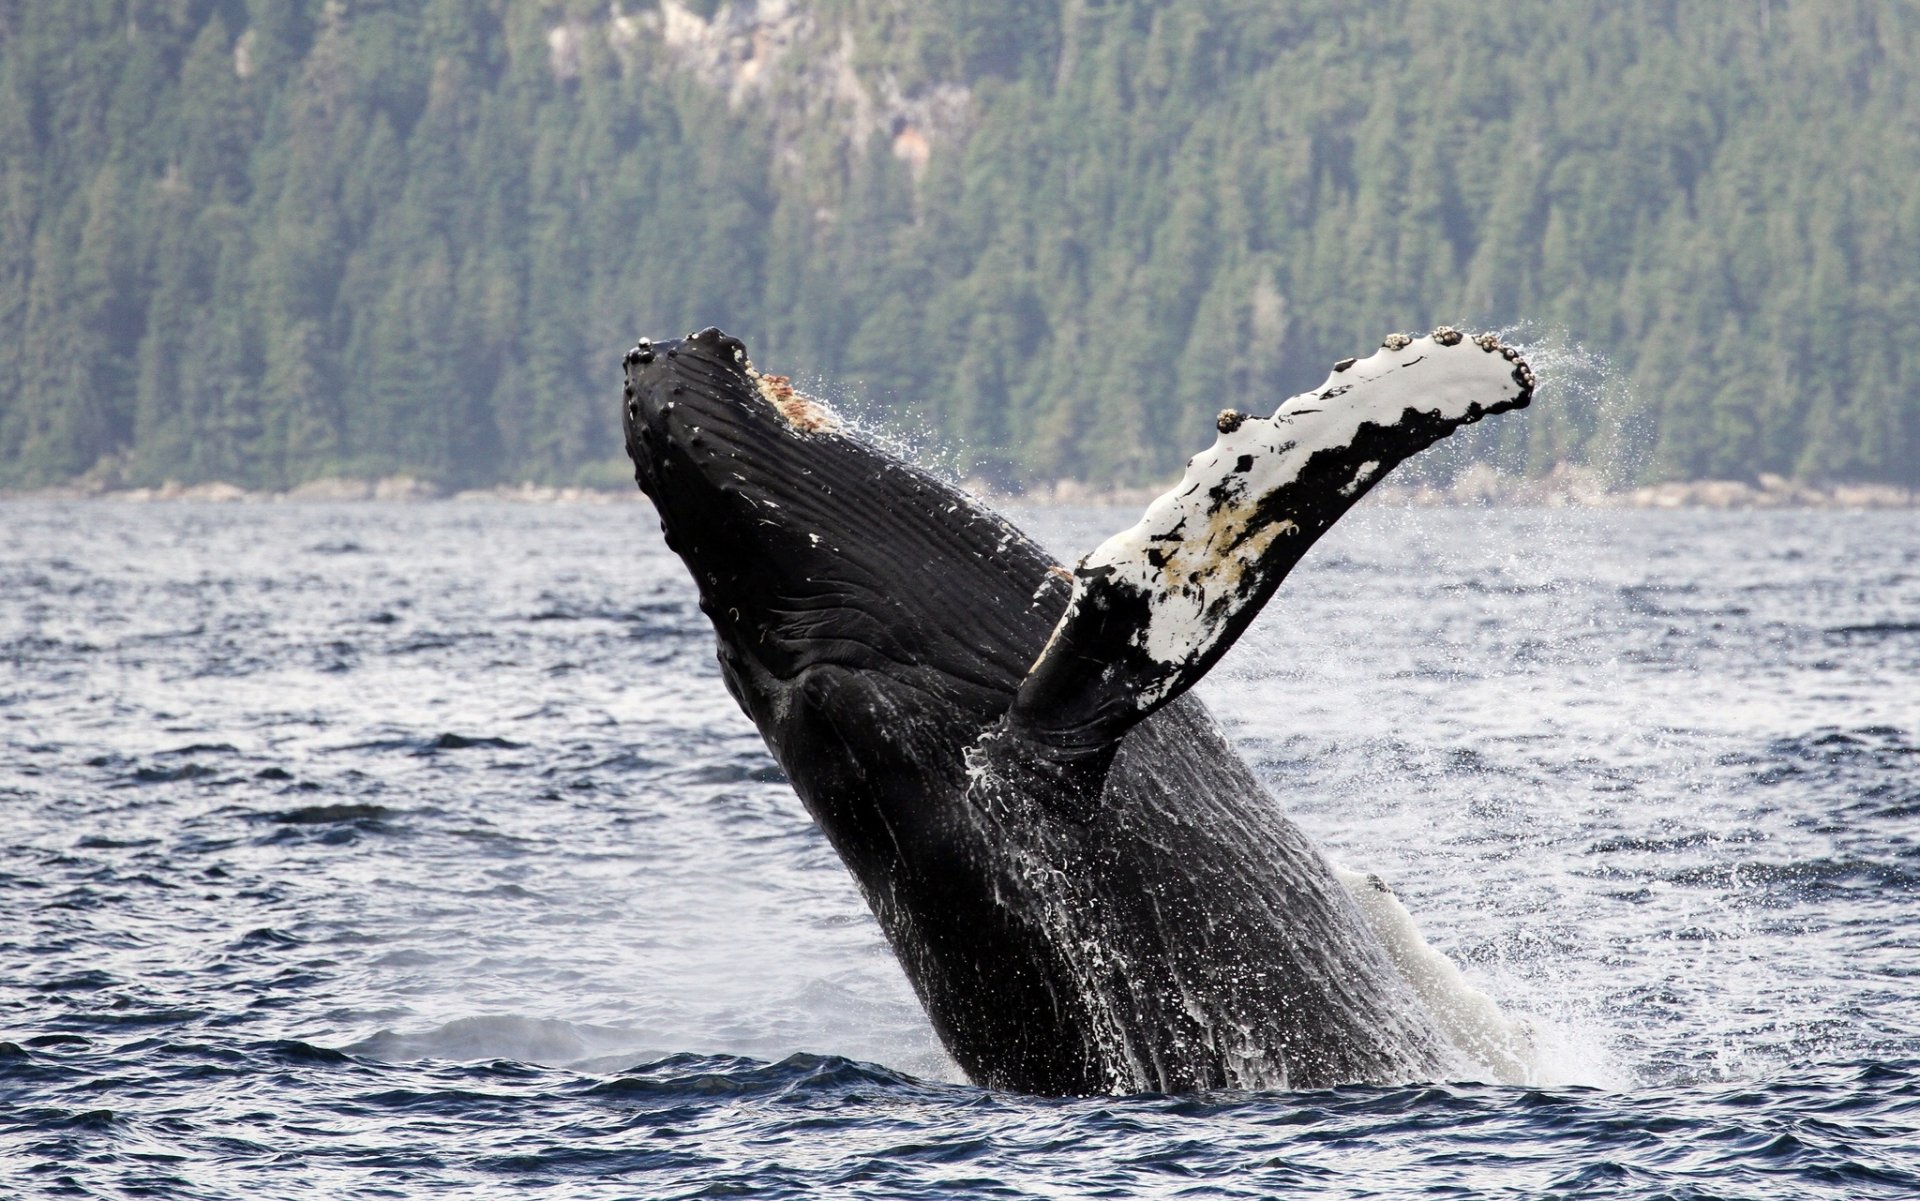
(563, 51)
(732, 50)
(779, 54)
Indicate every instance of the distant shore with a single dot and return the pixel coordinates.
(332, 490)
(1477, 486)
(1564, 488)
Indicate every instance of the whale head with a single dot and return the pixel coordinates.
(828, 567)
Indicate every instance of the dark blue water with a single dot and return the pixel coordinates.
(389, 851)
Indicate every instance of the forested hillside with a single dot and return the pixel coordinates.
(269, 240)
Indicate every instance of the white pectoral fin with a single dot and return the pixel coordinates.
(1501, 1045)
(1155, 606)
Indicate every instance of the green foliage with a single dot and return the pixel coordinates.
(267, 240)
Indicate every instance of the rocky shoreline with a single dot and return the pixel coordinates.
(1577, 487)
(1566, 487)
(333, 489)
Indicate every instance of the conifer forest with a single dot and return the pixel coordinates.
(266, 241)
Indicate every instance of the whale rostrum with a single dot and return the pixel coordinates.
(1086, 886)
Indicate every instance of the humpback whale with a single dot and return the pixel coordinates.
(1087, 887)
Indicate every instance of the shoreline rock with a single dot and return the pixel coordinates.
(327, 490)
(1566, 486)
(1479, 485)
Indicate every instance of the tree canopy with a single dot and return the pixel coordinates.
(269, 240)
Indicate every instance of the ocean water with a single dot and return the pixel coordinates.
(417, 850)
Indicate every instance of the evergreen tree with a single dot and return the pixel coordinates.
(267, 240)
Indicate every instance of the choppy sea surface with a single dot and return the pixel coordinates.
(417, 850)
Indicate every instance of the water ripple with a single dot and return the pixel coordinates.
(440, 862)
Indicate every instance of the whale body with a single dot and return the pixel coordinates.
(1087, 887)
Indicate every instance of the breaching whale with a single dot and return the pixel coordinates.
(1087, 887)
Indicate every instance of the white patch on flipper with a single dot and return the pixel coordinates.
(1191, 550)
(1487, 1037)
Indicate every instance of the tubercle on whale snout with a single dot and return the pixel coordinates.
(685, 403)
(731, 375)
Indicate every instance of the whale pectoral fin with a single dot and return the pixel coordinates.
(1155, 606)
(1494, 1043)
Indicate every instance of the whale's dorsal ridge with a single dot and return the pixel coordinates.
(1156, 605)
